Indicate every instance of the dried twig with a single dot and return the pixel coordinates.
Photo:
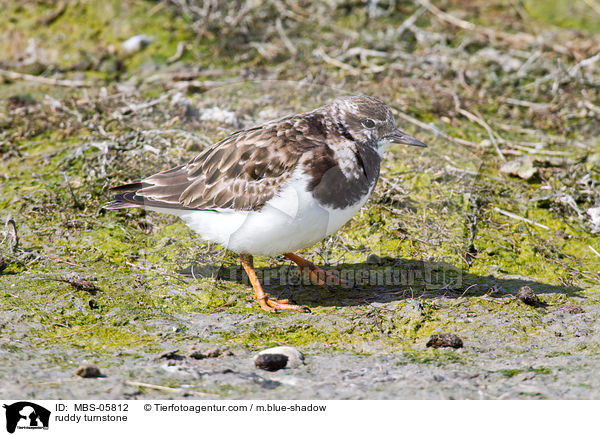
(519, 38)
(13, 75)
(132, 108)
(46, 20)
(76, 201)
(286, 41)
(569, 74)
(592, 4)
(479, 120)
(363, 53)
(56, 104)
(163, 388)
(589, 105)
(151, 386)
(574, 70)
(178, 52)
(336, 63)
(444, 16)
(11, 229)
(435, 130)
(410, 21)
(520, 218)
(532, 105)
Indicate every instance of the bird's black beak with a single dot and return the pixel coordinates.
(399, 137)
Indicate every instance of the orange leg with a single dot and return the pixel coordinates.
(265, 302)
(316, 274)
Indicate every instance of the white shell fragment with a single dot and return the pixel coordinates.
(219, 115)
(137, 43)
(594, 213)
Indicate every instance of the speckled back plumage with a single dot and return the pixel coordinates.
(247, 169)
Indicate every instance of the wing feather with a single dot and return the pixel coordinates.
(241, 172)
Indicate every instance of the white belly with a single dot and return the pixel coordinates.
(288, 222)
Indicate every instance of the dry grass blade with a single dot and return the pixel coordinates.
(13, 75)
(520, 218)
(479, 120)
(594, 5)
(517, 39)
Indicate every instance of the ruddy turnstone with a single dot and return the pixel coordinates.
(278, 187)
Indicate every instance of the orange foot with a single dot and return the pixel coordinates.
(317, 275)
(266, 303)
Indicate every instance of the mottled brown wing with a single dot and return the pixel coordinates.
(242, 172)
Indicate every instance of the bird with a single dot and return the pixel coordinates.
(277, 187)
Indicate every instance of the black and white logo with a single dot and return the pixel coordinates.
(26, 415)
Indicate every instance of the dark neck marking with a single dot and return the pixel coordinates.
(361, 164)
(330, 186)
(344, 132)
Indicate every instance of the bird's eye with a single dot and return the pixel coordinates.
(368, 123)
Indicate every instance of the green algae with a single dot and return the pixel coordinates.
(564, 14)
(145, 301)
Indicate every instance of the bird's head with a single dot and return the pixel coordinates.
(369, 121)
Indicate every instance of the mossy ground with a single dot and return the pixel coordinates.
(446, 258)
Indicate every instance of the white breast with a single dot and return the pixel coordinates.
(291, 220)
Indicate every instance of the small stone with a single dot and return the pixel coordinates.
(594, 213)
(527, 296)
(271, 362)
(522, 167)
(170, 355)
(136, 43)
(293, 358)
(204, 351)
(88, 370)
(373, 259)
(445, 340)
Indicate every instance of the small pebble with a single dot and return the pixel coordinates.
(88, 370)
(527, 296)
(204, 352)
(284, 357)
(170, 355)
(445, 340)
(594, 213)
(523, 167)
(137, 43)
(373, 259)
(271, 362)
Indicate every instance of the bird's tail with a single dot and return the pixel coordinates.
(127, 197)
